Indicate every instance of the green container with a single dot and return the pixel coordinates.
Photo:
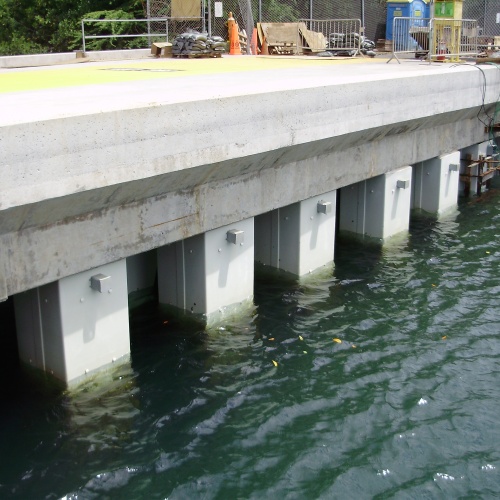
(452, 9)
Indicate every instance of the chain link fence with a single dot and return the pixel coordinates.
(212, 15)
(371, 12)
(485, 12)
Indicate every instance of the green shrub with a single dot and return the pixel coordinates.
(112, 28)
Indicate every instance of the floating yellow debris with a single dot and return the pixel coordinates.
(487, 251)
(353, 346)
(272, 338)
(433, 284)
(275, 363)
(300, 337)
(443, 337)
(305, 352)
(338, 341)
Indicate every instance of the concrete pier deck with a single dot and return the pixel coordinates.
(101, 161)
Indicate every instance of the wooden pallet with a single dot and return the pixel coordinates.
(384, 45)
(283, 49)
(487, 168)
(277, 38)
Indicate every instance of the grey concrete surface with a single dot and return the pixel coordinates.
(36, 60)
(96, 173)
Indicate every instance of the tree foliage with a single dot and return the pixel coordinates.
(37, 26)
(280, 12)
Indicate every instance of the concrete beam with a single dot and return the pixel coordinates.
(112, 174)
(94, 238)
(36, 60)
(83, 143)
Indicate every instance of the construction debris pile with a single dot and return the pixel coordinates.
(296, 38)
(195, 44)
(341, 44)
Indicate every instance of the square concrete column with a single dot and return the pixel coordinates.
(378, 207)
(77, 325)
(435, 183)
(210, 272)
(141, 271)
(298, 238)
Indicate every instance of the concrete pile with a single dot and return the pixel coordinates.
(198, 44)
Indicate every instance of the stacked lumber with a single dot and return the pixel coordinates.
(242, 36)
(312, 41)
(277, 38)
(194, 44)
(288, 39)
(384, 45)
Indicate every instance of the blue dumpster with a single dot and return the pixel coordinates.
(405, 8)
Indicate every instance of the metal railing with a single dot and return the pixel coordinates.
(334, 35)
(434, 39)
(172, 28)
(453, 39)
(410, 37)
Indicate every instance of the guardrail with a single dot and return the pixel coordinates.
(410, 37)
(171, 28)
(339, 35)
(453, 39)
(434, 39)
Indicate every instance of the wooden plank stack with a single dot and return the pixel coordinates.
(288, 39)
(384, 45)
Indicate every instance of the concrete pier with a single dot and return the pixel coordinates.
(141, 272)
(378, 207)
(170, 156)
(208, 273)
(435, 184)
(298, 238)
(76, 325)
(112, 175)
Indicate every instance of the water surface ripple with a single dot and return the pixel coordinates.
(404, 404)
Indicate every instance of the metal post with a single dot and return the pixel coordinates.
(310, 9)
(83, 37)
(484, 16)
(249, 26)
(148, 15)
(209, 18)
(260, 11)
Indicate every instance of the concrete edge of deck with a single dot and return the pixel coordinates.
(34, 60)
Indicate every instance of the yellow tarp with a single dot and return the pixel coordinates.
(185, 8)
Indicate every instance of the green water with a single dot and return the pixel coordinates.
(406, 406)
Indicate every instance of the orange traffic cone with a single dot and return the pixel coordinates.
(264, 51)
(234, 42)
(230, 22)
